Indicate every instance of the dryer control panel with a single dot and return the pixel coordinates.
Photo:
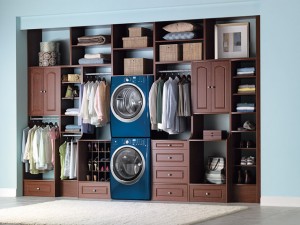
(135, 79)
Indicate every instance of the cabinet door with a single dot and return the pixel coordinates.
(35, 92)
(220, 87)
(201, 81)
(51, 91)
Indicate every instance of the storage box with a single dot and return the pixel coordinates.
(192, 51)
(139, 31)
(49, 58)
(214, 134)
(71, 78)
(137, 66)
(136, 42)
(171, 52)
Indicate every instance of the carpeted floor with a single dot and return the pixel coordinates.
(113, 212)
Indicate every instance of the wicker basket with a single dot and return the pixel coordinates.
(192, 51)
(171, 52)
(135, 42)
(139, 31)
(71, 78)
(137, 66)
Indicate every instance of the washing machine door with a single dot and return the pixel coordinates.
(127, 164)
(127, 102)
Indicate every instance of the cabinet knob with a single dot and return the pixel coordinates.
(208, 86)
(94, 190)
(38, 189)
(170, 157)
(169, 174)
(45, 91)
(169, 192)
(41, 91)
(207, 193)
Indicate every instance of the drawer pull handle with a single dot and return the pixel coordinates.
(170, 157)
(207, 193)
(169, 192)
(94, 190)
(169, 174)
(38, 189)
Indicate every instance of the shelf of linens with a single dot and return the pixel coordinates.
(244, 76)
(179, 41)
(95, 65)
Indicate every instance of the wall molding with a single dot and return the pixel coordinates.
(8, 192)
(135, 15)
(280, 201)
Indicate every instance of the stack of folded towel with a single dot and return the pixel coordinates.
(245, 107)
(246, 71)
(246, 88)
(94, 59)
(72, 112)
(93, 40)
(73, 128)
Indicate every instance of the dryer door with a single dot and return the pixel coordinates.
(127, 164)
(127, 102)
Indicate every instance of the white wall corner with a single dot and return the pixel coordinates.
(8, 192)
(280, 201)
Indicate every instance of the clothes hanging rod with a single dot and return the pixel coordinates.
(41, 118)
(72, 135)
(97, 74)
(173, 71)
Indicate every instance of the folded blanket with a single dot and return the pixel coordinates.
(72, 110)
(246, 69)
(247, 86)
(97, 56)
(71, 113)
(93, 40)
(72, 127)
(245, 104)
(92, 61)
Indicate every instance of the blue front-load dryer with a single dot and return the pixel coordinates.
(129, 106)
(130, 168)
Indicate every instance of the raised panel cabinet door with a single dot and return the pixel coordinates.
(200, 87)
(220, 87)
(52, 91)
(35, 92)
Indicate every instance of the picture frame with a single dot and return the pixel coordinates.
(231, 40)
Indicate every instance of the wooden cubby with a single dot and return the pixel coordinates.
(198, 149)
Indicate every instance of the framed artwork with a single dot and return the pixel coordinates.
(231, 40)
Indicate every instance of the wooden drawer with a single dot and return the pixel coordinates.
(175, 192)
(169, 144)
(207, 193)
(39, 188)
(170, 175)
(94, 190)
(214, 134)
(170, 158)
(69, 188)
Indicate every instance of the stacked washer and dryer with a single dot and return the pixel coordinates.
(130, 163)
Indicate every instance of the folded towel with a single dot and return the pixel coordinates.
(246, 69)
(92, 61)
(72, 127)
(93, 40)
(71, 113)
(245, 104)
(247, 86)
(72, 110)
(97, 56)
(245, 108)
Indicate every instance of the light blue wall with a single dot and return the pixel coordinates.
(279, 53)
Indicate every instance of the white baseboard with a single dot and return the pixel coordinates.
(8, 192)
(280, 201)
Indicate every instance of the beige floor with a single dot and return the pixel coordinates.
(252, 216)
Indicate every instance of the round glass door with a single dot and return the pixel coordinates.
(127, 164)
(127, 102)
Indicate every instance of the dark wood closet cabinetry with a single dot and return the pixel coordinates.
(44, 91)
(179, 161)
(211, 87)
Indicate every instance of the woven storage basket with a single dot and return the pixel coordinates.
(138, 31)
(192, 51)
(137, 66)
(135, 42)
(48, 58)
(171, 52)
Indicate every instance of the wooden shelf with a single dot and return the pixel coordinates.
(241, 113)
(173, 62)
(68, 115)
(81, 46)
(250, 149)
(69, 82)
(250, 185)
(96, 65)
(243, 131)
(75, 98)
(243, 76)
(243, 59)
(207, 140)
(251, 166)
(70, 132)
(139, 49)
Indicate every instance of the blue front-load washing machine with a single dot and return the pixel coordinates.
(129, 106)
(130, 168)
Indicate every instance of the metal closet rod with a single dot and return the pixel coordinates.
(173, 71)
(72, 135)
(97, 74)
